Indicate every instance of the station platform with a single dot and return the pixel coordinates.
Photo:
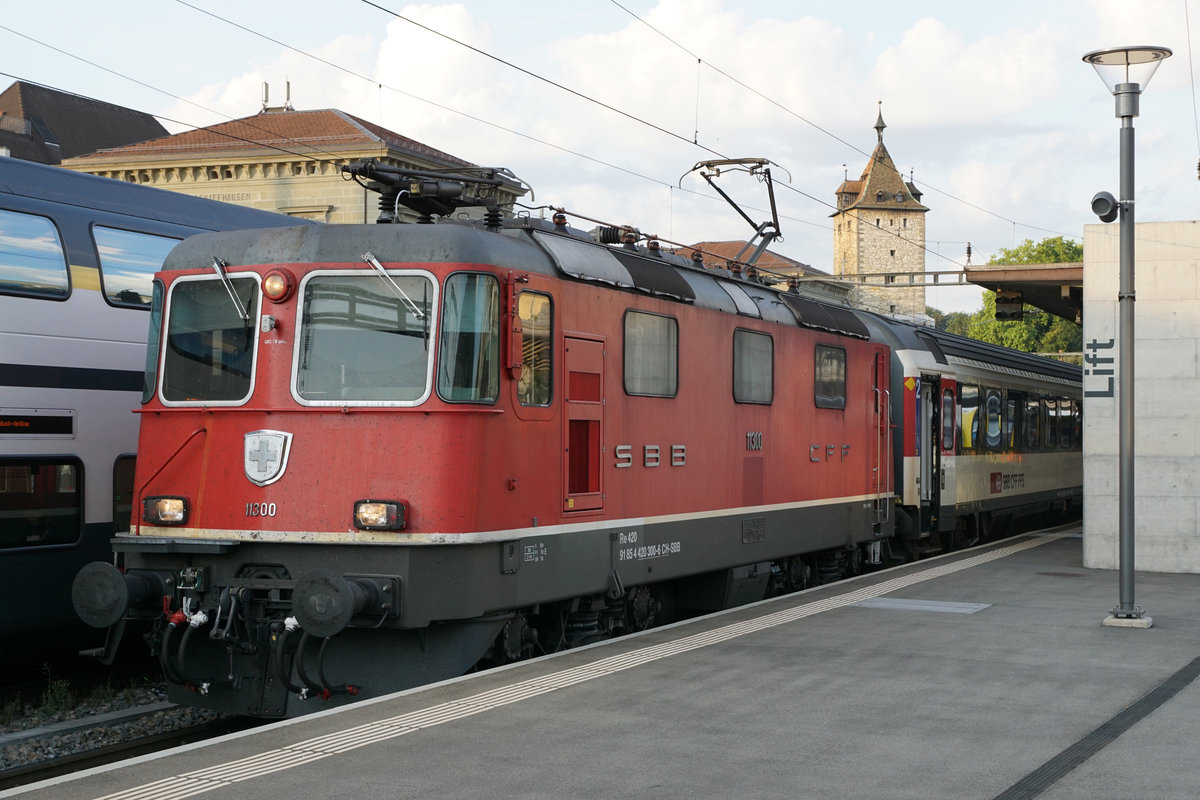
(984, 674)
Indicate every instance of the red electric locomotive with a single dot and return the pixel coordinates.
(374, 456)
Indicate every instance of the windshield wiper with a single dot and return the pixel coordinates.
(219, 266)
(408, 303)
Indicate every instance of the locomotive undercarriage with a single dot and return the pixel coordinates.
(238, 631)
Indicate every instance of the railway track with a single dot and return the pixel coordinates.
(46, 768)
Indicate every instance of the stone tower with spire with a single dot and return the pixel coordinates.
(879, 227)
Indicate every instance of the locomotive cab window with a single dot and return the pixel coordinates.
(208, 355)
(41, 502)
(32, 260)
(363, 339)
(753, 367)
(469, 361)
(537, 351)
(829, 390)
(651, 354)
(128, 261)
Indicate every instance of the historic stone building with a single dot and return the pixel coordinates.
(879, 227)
(279, 160)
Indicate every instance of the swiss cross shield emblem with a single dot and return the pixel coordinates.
(266, 455)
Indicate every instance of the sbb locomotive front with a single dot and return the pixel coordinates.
(372, 456)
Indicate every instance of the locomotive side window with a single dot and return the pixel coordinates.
(41, 502)
(128, 262)
(363, 339)
(469, 361)
(947, 419)
(651, 354)
(150, 377)
(968, 408)
(31, 256)
(753, 367)
(537, 352)
(829, 390)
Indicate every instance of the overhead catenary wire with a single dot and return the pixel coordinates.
(560, 86)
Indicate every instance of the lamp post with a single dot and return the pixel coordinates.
(1125, 71)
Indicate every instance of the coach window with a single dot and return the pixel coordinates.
(1033, 424)
(1050, 422)
(537, 351)
(128, 262)
(41, 502)
(1014, 421)
(651, 354)
(948, 420)
(753, 367)
(829, 390)
(1066, 423)
(993, 413)
(968, 409)
(122, 487)
(469, 357)
(31, 256)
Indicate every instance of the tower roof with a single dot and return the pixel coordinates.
(881, 186)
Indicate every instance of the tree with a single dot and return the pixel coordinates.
(1039, 331)
(1053, 250)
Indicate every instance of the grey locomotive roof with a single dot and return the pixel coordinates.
(523, 245)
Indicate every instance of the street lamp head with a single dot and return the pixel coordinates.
(1118, 66)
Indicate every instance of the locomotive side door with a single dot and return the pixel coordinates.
(584, 417)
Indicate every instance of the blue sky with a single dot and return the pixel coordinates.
(988, 105)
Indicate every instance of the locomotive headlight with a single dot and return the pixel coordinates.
(379, 515)
(278, 285)
(165, 510)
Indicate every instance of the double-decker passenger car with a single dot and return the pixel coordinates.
(77, 255)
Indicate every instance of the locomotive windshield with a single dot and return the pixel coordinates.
(363, 339)
(209, 353)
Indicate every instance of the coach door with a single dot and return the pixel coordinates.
(881, 461)
(584, 418)
(929, 416)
